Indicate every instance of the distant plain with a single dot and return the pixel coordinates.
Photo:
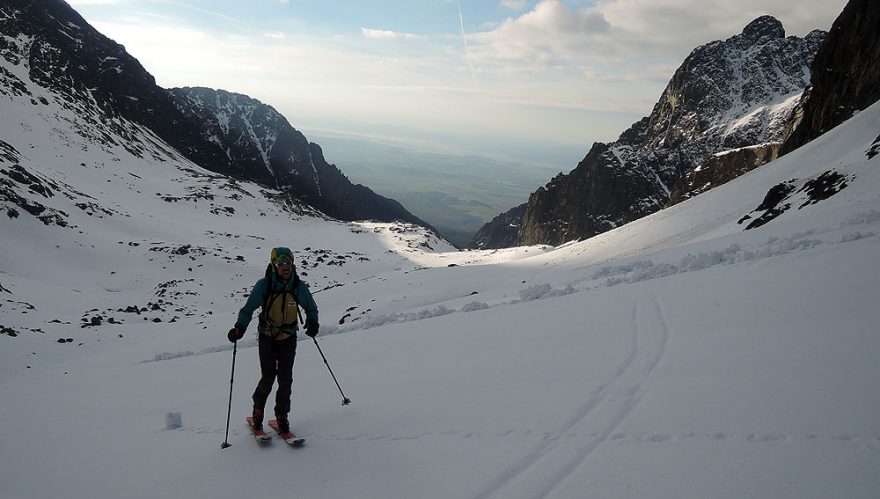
(456, 194)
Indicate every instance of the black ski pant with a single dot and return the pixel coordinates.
(276, 360)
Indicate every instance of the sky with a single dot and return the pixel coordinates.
(439, 74)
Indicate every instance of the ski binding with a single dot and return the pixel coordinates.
(259, 435)
(288, 437)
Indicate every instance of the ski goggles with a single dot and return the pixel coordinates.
(284, 263)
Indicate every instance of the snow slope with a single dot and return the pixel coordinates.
(677, 356)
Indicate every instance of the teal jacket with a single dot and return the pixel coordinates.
(258, 297)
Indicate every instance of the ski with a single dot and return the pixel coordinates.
(259, 435)
(288, 437)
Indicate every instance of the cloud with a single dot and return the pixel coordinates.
(614, 56)
(275, 35)
(381, 34)
(549, 34)
(552, 16)
(632, 33)
(513, 4)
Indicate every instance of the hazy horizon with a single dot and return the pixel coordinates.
(455, 193)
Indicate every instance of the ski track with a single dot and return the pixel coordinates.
(869, 442)
(541, 470)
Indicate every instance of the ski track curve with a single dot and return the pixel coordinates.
(541, 470)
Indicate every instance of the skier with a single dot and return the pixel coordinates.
(279, 293)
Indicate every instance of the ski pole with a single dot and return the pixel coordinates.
(226, 443)
(345, 400)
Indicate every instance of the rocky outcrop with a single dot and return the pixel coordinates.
(722, 168)
(726, 95)
(845, 77)
(502, 231)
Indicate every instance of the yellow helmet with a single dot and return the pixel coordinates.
(280, 254)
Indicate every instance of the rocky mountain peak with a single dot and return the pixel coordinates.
(727, 94)
(762, 30)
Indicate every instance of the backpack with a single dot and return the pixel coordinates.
(277, 315)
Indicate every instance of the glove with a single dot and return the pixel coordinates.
(235, 334)
(312, 328)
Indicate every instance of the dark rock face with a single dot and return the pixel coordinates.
(119, 104)
(259, 143)
(781, 197)
(502, 231)
(722, 168)
(726, 95)
(845, 76)
(559, 212)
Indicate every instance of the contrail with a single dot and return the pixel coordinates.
(467, 50)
